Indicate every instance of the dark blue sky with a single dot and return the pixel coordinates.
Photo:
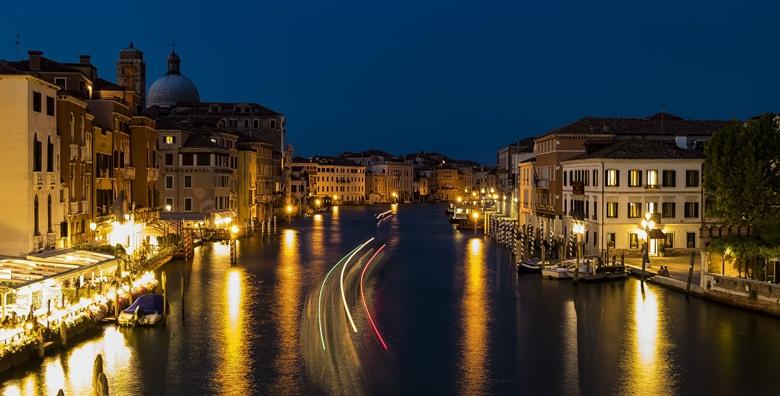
(463, 78)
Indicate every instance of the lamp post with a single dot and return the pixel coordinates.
(93, 227)
(647, 224)
(579, 230)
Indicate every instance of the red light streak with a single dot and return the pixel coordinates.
(363, 298)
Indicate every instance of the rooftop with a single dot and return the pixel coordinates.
(656, 124)
(641, 149)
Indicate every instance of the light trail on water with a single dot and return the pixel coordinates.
(322, 288)
(341, 283)
(363, 298)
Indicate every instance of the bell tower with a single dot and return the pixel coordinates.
(131, 74)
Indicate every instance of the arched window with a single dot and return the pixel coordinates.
(48, 214)
(35, 216)
(37, 154)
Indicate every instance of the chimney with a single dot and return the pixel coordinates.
(35, 59)
(85, 59)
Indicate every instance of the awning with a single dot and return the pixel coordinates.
(657, 234)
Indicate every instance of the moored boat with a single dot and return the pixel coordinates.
(590, 272)
(531, 265)
(147, 310)
(558, 270)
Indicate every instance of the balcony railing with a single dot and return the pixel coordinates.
(37, 242)
(38, 178)
(74, 207)
(84, 206)
(652, 186)
(51, 240)
(51, 179)
(543, 183)
(130, 173)
(152, 174)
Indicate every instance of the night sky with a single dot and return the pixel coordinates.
(462, 78)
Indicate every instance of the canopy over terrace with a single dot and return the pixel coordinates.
(37, 281)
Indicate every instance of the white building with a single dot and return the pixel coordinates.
(32, 197)
(337, 179)
(612, 188)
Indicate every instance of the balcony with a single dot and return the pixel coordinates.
(130, 173)
(74, 208)
(38, 178)
(51, 240)
(74, 152)
(652, 187)
(51, 179)
(152, 174)
(543, 183)
(84, 206)
(37, 243)
(86, 155)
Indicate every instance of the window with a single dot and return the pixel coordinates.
(170, 139)
(669, 178)
(187, 181)
(168, 159)
(204, 159)
(188, 204)
(36, 231)
(668, 209)
(49, 155)
(595, 209)
(690, 240)
(595, 178)
(635, 178)
(169, 202)
(187, 159)
(50, 106)
(36, 102)
(48, 214)
(634, 210)
(37, 154)
(612, 210)
(564, 179)
(612, 178)
(62, 82)
(633, 240)
(273, 124)
(652, 178)
(669, 240)
(595, 238)
(611, 239)
(256, 123)
(691, 209)
(691, 178)
(652, 207)
(169, 182)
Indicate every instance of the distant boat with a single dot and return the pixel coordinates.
(383, 215)
(147, 310)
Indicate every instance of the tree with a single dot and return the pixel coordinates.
(742, 174)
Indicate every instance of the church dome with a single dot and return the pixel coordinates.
(173, 87)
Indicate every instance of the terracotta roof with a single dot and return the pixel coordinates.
(644, 149)
(656, 124)
(5, 68)
(47, 65)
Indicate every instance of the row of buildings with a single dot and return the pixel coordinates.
(82, 153)
(374, 176)
(610, 173)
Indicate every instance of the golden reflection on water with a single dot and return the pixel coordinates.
(287, 306)
(647, 363)
(233, 368)
(474, 345)
(571, 368)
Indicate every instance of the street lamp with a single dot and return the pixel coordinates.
(647, 224)
(168, 208)
(289, 210)
(93, 227)
(475, 216)
(459, 199)
(395, 196)
(579, 230)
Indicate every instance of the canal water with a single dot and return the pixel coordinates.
(455, 317)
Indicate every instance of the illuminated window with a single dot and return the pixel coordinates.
(612, 177)
(652, 178)
(635, 178)
(669, 240)
(633, 240)
(170, 139)
(612, 210)
(634, 210)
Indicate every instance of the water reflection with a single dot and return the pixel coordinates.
(571, 369)
(474, 344)
(647, 361)
(288, 308)
(233, 368)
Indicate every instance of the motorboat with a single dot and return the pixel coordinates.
(147, 310)
(531, 265)
(383, 215)
(558, 270)
(589, 271)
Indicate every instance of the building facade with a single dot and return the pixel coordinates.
(32, 200)
(611, 190)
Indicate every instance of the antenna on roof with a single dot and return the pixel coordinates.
(18, 41)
